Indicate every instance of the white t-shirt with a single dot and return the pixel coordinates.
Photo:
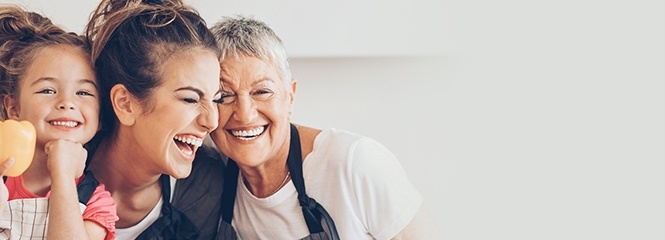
(356, 179)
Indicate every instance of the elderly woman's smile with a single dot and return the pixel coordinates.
(247, 134)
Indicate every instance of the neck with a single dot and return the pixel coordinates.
(37, 177)
(116, 164)
(266, 179)
(134, 188)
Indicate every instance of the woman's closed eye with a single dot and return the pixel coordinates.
(217, 98)
(191, 100)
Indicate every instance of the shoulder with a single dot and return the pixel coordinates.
(347, 143)
(348, 153)
(307, 136)
(318, 143)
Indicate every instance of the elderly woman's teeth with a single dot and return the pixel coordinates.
(191, 140)
(248, 134)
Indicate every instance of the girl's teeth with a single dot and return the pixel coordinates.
(64, 123)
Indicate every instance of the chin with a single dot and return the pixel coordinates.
(182, 172)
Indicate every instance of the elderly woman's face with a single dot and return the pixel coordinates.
(254, 110)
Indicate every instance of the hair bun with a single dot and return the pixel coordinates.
(27, 37)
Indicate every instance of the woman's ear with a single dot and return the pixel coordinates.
(294, 87)
(124, 105)
(11, 107)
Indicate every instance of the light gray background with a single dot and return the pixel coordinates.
(515, 119)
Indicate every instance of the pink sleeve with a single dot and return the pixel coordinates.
(101, 209)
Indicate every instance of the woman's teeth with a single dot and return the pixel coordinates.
(64, 123)
(191, 140)
(248, 134)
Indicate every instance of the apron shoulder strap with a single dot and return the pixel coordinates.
(87, 187)
(230, 187)
(312, 210)
(172, 224)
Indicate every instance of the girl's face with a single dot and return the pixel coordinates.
(58, 95)
(179, 114)
(254, 111)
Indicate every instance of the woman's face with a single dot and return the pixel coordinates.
(254, 113)
(179, 113)
(58, 95)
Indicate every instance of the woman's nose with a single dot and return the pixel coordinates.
(209, 118)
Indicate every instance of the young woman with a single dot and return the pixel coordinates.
(158, 68)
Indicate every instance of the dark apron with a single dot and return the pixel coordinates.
(315, 215)
(172, 224)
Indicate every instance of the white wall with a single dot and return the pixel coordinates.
(352, 28)
(531, 119)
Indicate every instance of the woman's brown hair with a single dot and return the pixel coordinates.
(131, 39)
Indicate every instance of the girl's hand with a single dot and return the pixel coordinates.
(65, 158)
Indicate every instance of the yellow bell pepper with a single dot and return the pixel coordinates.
(17, 139)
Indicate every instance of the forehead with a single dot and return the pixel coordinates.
(197, 68)
(248, 69)
(62, 61)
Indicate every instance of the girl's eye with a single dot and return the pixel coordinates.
(46, 91)
(85, 93)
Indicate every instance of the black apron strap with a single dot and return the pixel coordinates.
(307, 204)
(311, 210)
(172, 224)
(230, 190)
(87, 187)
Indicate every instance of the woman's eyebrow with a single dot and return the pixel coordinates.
(190, 88)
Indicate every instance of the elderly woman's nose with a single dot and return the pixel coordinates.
(245, 110)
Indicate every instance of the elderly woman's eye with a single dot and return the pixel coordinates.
(262, 94)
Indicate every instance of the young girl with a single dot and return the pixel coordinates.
(46, 78)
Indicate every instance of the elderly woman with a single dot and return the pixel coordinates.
(287, 181)
(158, 66)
